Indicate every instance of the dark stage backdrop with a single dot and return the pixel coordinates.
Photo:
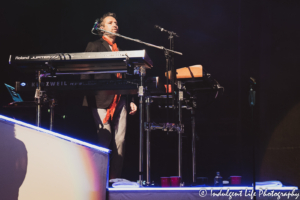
(233, 40)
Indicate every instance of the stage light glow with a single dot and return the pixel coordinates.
(55, 134)
(200, 188)
(23, 84)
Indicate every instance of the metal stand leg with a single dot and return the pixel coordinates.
(141, 107)
(52, 114)
(193, 145)
(180, 130)
(179, 153)
(37, 95)
(148, 182)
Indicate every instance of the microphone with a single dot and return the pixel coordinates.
(162, 29)
(158, 27)
(95, 25)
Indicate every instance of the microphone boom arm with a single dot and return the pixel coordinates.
(139, 41)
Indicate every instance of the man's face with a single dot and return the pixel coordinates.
(110, 24)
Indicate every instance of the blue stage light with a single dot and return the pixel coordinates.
(23, 84)
(55, 134)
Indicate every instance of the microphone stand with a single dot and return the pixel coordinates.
(141, 95)
(170, 67)
(252, 104)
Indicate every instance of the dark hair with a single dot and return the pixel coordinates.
(109, 14)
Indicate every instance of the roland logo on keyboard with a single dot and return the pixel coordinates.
(22, 57)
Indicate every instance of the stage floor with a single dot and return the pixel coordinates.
(204, 193)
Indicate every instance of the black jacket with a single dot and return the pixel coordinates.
(102, 99)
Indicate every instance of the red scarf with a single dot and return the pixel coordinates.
(112, 107)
